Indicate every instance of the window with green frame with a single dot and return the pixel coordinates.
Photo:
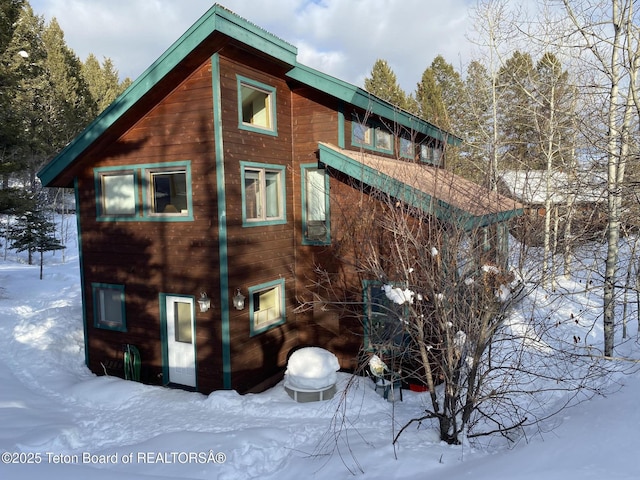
(266, 306)
(256, 106)
(109, 306)
(166, 192)
(371, 136)
(316, 229)
(263, 194)
(431, 154)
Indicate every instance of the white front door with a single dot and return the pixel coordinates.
(181, 351)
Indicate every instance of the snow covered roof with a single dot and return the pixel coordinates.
(531, 186)
(449, 196)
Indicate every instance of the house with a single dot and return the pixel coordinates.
(206, 184)
(580, 196)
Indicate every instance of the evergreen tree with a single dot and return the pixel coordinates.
(384, 84)
(103, 82)
(430, 103)
(32, 232)
(516, 82)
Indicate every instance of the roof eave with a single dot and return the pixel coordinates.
(361, 98)
(216, 19)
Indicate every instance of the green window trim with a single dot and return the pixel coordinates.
(315, 231)
(252, 95)
(101, 308)
(275, 290)
(261, 201)
(145, 204)
(372, 136)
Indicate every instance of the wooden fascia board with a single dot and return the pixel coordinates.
(361, 98)
(216, 19)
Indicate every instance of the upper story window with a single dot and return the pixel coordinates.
(407, 148)
(315, 206)
(372, 137)
(256, 106)
(431, 154)
(166, 192)
(118, 193)
(263, 194)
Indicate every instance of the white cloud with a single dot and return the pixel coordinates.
(340, 38)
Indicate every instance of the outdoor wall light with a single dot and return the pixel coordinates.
(238, 300)
(204, 302)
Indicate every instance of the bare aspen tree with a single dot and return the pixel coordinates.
(608, 32)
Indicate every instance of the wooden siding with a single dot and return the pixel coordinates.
(257, 254)
(150, 258)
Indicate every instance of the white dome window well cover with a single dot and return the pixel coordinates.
(311, 374)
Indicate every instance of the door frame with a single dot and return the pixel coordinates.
(164, 340)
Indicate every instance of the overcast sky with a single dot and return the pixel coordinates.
(342, 38)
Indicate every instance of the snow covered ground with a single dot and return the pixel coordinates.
(59, 421)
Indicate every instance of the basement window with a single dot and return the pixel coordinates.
(266, 306)
(108, 306)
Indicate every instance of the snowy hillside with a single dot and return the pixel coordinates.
(59, 421)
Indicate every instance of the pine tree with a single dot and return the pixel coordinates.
(430, 103)
(32, 232)
(384, 84)
(103, 81)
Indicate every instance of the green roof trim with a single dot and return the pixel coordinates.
(216, 19)
(219, 19)
(361, 98)
(408, 194)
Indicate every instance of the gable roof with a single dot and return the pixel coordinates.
(448, 196)
(220, 21)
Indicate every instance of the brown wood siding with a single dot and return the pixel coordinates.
(149, 257)
(257, 254)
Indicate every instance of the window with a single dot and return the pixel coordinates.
(315, 210)
(182, 316)
(117, 193)
(256, 106)
(383, 140)
(266, 304)
(383, 328)
(362, 135)
(407, 149)
(431, 154)
(371, 137)
(168, 192)
(263, 194)
(108, 306)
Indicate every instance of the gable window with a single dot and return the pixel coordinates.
(256, 106)
(168, 192)
(263, 194)
(315, 209)
(117, 193)
(266, 306)
(108, 306)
